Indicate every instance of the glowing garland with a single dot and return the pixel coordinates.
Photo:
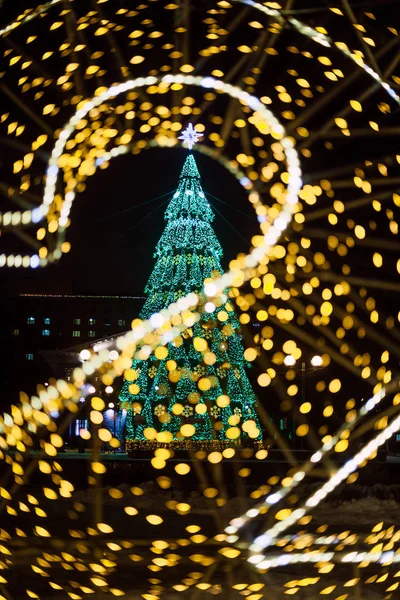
(35, 13)
(324, 40)
(386, 558)
(270, 536)
(239, 522)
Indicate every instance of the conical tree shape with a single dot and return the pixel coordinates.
(196, 393)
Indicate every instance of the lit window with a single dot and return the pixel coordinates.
(76, 321)
(30, 320)
(29, 356)
(15, 331)
(76, 333)
(46, 332)
(46, 320)
(121, 322)
(92, 333)
(92, 321)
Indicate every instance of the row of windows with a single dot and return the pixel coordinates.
(46, 333)
(91, 321)
(77, 333)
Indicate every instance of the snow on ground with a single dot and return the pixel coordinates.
(360, 515)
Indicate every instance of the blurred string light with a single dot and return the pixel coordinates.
(289, 360)
(323, 39)
(270, 122)
(270, 536)
(32, 14)
(281, 560)
(272, 499)
(304, 29)
(11, 219)
(35, 414)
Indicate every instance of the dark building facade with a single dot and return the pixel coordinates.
(42, 334)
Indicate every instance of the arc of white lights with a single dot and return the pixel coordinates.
(239, 522)
(324, 40)
(35, 13)
(383, 557)
(268, 537)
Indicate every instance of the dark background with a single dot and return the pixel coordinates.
(113, 237)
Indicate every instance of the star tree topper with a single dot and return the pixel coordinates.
(190, 136)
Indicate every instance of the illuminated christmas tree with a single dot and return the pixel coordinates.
(195, 391)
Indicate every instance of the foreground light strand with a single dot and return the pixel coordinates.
(270, 536)
(239, 522)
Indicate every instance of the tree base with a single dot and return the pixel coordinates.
(193, 444)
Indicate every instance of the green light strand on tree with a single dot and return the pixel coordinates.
(197, 394)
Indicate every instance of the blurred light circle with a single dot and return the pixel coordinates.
(84, 354)
(289, 360)
(316, 361)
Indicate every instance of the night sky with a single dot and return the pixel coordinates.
(114, 233)
(113, 238)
